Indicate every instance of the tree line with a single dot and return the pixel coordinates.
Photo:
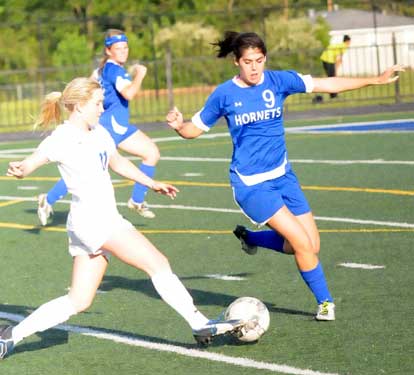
(60, 33)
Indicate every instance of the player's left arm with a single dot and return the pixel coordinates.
(21, 169)
(124, 167)
(340, 84)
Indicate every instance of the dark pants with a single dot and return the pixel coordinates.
(330, 72)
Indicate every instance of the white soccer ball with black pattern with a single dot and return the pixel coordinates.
(256, 315)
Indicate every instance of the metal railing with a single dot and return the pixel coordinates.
(187, 82)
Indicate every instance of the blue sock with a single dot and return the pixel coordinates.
(58, 191)
(266, 238)
(139, 191)
(315, 280)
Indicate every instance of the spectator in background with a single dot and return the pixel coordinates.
(332, 58)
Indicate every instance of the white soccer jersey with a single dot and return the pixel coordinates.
(82, 159)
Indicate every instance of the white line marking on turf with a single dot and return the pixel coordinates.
(19, 153)
(234, 211)
(361, 265)
(189, 174)
(297, 161)
(27, 188)
(194, 353)
(225, 277)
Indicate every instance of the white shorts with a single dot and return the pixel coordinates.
(88, 239)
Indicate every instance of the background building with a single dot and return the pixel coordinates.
(378, 39)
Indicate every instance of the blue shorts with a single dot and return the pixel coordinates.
(117, 125)
(260, 202)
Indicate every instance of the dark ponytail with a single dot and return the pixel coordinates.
(236, 43)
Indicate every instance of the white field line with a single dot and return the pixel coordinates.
(194, 353)
(224, 277)
(361, 265)
(234, 211)
(15, 154)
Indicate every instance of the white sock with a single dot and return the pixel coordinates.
(174, 293)
(46, 316)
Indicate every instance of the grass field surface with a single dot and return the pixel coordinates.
(360, 187)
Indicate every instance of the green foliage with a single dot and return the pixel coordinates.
(186, 38)
(72, 50)
(321, 31)
(293, 41)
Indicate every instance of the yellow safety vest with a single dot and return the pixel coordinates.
(332, 52)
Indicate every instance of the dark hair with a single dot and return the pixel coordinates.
(236, 43)
(347, 38)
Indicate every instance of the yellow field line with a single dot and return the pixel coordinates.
(360, 190)
(30, 227)
(306, 187)
(203, 231)
(6, 178)
(225, 184)
(9, 203)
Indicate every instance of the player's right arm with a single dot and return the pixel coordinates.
(184, 129)
(139, 72)
(21, 169)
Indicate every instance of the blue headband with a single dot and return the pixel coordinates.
(115, 39)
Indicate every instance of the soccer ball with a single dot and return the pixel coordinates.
(254, 312)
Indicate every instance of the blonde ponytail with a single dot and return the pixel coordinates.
(77, 91)
(51, 111)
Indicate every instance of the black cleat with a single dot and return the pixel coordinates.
(241, 233)
(6, 341)
(204, 335)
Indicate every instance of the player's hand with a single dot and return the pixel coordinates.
(388, 76)
(15, 169)
(139, 70)
(175, 119)
(165, 189)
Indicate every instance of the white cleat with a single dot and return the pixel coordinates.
(213, 328)
(326, 311)
(44, 209)
(141, 208)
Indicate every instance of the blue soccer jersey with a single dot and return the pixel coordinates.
(254, 116)
(113, 79)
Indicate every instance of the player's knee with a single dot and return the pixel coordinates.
(316, 245)
(303, 247)
(155, 154)
(151, 156)
(81, 304)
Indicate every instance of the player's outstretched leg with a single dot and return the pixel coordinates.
(251, 240)
(214, 328)
(6, 341)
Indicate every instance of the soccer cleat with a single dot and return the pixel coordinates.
(141, 208)
(241, 233)
(213, 328)
(6, 341)
(326, 311)
(44, 209)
